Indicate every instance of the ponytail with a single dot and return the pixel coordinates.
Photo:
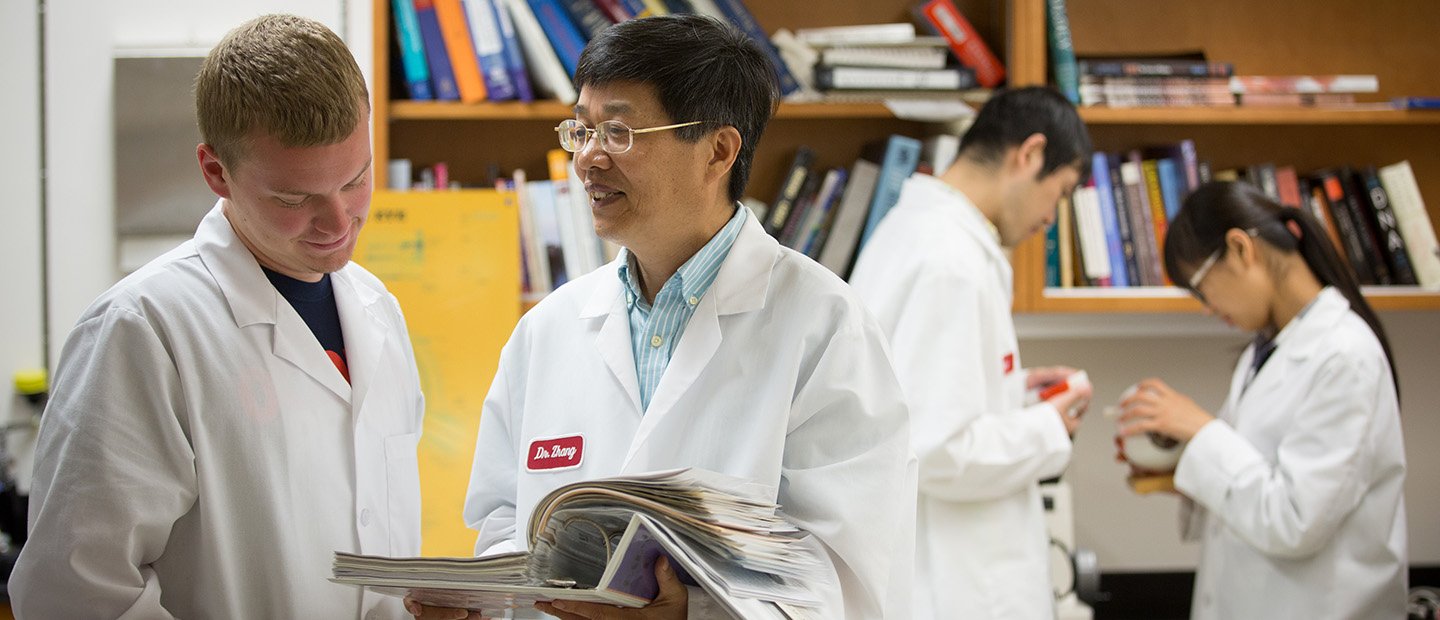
(1214, 208)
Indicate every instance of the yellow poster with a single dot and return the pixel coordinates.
(452, 258)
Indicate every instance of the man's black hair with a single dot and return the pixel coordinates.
(702, 70)
(1012, 115)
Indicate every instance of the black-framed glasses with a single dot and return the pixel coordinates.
(615, 137)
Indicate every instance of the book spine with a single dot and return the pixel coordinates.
(1392, 244)
(513, 53)
(1064, 240)
(564, 37)
(551, 78)
(1151, 173)
(490, 48)
(831, 205)
(1319, 208)
(1171, 186)
(1127, 227)
(944, 19)
(779, 211)
(1354, 249)
(1062, 50)
(466, 65)
(844, 236)
(1110, 219)
(654, 7)
(439, 59)
(801, 210)
(1090, 229)
(1414, 221)
(412, 50)
(1364, 223)
(616, 10)
(587, 16)
(869, 78)
(1157, 67)
(1052, 252)
(902, 155)
(736, 12)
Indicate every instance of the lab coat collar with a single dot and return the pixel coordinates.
(1297, 341)
(958, 208)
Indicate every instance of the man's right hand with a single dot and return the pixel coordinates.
(1072, 404)
(426, 612)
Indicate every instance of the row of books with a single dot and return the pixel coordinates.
(477, 50)
(829, 213)
(1111, 233)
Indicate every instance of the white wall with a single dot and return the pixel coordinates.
(1135, 533)
(21, 325)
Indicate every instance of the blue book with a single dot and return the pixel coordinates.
(901, 156)
(586, 16)
(1416, 103)
(635, 7)
(562, 33)
(514, 56)
(440, 71)
(1109, 218)
(1052, 254)
(741, 17)
(1171, 187)
(489, 49)
(412, 51)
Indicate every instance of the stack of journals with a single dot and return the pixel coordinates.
(597, 541)
(1301, 90)
(1189, 80)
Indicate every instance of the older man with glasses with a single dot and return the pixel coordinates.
(705, 344)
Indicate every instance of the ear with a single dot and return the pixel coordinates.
(1241, 245)
(724, 148)
(1029, 157)
(213, 171)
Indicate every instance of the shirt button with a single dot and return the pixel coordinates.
(656, 340)
(365, 517)
(693, 300)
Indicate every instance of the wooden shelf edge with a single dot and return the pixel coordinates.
(556, 111)
(1170, 300)
(1100, 115)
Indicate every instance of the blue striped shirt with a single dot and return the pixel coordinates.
(654, 330)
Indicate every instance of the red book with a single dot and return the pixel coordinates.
(942, 18)
(612, 10)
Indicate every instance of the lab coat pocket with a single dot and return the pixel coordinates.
(402, 478)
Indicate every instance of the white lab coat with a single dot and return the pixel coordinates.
(780, 377)
(936, 278)
(1297, 488)
(203, 458)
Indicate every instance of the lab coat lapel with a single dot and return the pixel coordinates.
(364, 332)
(253, 300)
(610, 325)
(740, 286)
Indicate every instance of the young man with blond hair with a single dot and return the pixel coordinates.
(231, 414)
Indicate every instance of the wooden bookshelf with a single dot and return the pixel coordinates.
(1393, 40)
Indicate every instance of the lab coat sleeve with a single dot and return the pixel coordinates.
(490, 500)
(847, 472)
(114, 471)
(1292, 507)
(966, 452)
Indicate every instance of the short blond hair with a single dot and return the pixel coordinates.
(287, 76)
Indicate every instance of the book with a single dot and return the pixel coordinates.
(1319, 207)
(839, 252)
(1150, 171)
(541, 202)
(1127, 226)
(897, 56)
(738, 15)
(412, 51)
(1137, 200)
(1287, 183)
(865, 34)
(551, 77)
(1064, 240)
(535, 259)
(1414, 221)
(564, 36)
(1062, 50)
(617, 11)
(1095, 254)
(1350, 235)
(455, 28)
(878, 78)
(937, 153)
(1109, 219)
(442, 75)
(898, 156)
(819, 229)
(1364, 224)
(1416, 103)
(1387, 230)
(942, 18)
(804, 202)
(1052, 252)
(779, 212)
(598, 541)
(587, 17)
(565, 208)
(1172, 186)
(490, 49)
(1153, 67)
(513, 56)
(1282, 84)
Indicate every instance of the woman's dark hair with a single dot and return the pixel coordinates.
(702, 69)
(1198, 230)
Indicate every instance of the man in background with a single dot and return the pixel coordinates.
(228, 416)
(936, 275)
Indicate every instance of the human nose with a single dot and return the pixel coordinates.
(332, 214)
(591, 155)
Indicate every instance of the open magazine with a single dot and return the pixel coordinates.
(598, 540)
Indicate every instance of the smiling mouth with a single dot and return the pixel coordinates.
(331, 245)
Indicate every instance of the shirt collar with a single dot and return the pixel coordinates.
(696, 275)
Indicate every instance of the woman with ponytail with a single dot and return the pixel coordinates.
(1295, 487)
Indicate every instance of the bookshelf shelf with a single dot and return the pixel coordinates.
(1171, 299)
(554, 110)
(1100, 115)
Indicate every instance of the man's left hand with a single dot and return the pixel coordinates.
(671, 603)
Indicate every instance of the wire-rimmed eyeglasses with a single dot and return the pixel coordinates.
(615, 137)
(1197, 278)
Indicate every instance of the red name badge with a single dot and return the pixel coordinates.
(1008, 363)
(555, 453)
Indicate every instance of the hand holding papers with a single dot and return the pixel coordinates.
(597, 541)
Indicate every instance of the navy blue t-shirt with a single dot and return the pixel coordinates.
(315, 302)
